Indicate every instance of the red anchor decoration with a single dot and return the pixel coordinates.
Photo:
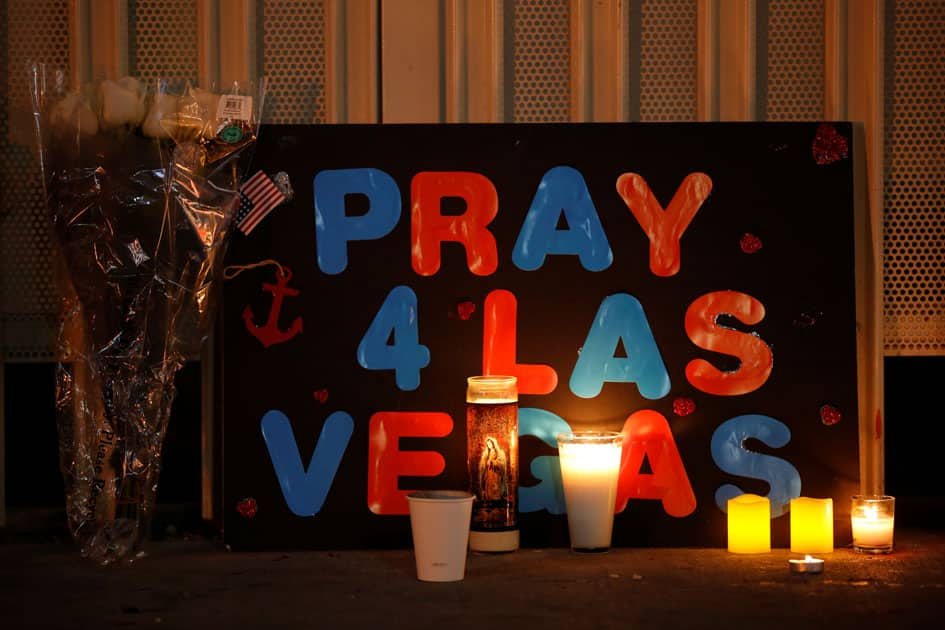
(269, 333)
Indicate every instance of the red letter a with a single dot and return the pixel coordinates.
(646, 432)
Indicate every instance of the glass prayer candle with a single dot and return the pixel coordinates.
(873, 519)
(749, 524)
(811, 525)
(590, 469)
(492, 461)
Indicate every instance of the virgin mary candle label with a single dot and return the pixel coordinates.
(492, 460)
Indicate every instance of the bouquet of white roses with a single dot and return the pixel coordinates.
(142, 186)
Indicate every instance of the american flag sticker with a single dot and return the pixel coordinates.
(258, 197)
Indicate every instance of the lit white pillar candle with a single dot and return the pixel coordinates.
(590, 467)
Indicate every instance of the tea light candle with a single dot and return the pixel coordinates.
(808, 564)
(749, 524)
(811, 525)
(873, 519)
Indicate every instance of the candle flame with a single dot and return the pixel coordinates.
(808, 558)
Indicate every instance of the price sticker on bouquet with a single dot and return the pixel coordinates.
(235, 107)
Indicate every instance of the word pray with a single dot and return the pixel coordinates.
(562, 191)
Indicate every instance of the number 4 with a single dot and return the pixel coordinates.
(392, 341)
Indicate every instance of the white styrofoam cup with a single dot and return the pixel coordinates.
(439, 522)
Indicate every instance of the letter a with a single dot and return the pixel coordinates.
(620, 318)
(646, 433)
(562, 190)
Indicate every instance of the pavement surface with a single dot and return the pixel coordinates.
(197, 583)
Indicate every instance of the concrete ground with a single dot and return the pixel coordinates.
(196, 583)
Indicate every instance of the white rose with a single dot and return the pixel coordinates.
(162, 105)
(122, 102)
(207, 101)
(72, 114)
(188, 122)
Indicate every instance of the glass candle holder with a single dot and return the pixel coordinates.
(590, 469)
(492, 462)
(873, 520)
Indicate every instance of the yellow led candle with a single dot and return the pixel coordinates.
(749, 524)
(811, 525)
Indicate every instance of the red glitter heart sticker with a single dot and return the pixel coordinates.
(247, 507)
(683, 406)
(830, 415)
(465, 310)
(750, 243)
(829, 146)
(321, 395)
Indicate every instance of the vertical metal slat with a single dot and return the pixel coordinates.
(738, 79)
(865, 24)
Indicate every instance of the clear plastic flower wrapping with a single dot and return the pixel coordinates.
(142, 187)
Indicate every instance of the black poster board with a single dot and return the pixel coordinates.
(777, 226)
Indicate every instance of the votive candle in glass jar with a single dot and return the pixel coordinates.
(873, 520)
(590, 470)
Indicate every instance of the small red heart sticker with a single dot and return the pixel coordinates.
(321, 395)
(247, 507)
(829, 146)
(830, 415)
(683, 406)
(750, 243)
(465, 310)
